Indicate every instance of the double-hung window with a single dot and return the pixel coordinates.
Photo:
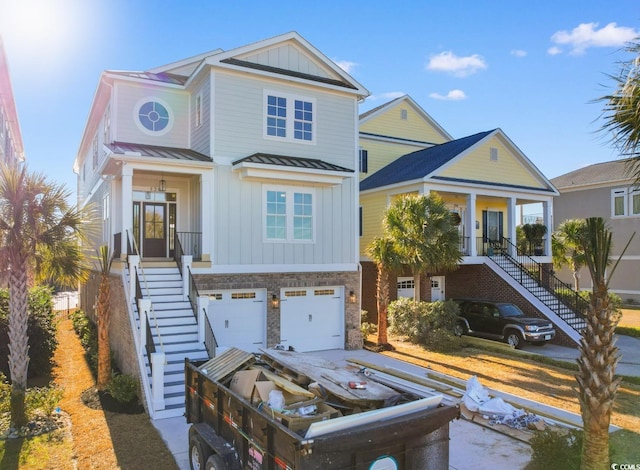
(289, 214)
(625, 202)
(289, 117)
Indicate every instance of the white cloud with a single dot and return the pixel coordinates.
(346, 65)
(453, 95)
(518, 53)
(389, 95)
(587, 35)
(459, 66)
(553, 50)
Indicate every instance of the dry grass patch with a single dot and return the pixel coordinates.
(630, 318)
(543, 383)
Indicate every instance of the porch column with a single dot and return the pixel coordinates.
(547, 216)
(206, 215)
(471, 223)
(511, 224)
(127, 208)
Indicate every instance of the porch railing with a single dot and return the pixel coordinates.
(193, 294)
(210, 342)
(190, 244)
(464, 246)
(554, 293)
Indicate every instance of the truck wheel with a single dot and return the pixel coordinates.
(215, 462)
(198, 453)
(513, 339)
(458, 329)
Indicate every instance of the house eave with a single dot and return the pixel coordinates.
(248, 170)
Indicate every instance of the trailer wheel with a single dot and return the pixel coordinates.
(215, 462)
(198, 453)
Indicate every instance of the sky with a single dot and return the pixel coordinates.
(534, 69)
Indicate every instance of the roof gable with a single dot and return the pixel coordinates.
(402, 118)
(497, 161)
(289, 55)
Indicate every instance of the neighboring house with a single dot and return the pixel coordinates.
(241, 166)
(484, 178)
(11, 148)
(605, 190)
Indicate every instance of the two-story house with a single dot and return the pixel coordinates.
(230, 180)
(484, 178)
(605, 190)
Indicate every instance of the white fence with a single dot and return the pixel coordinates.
(65, 302)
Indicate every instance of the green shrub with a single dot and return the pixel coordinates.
(5, 394)
(552, 450)
(41, 329)
(368, 329)
(45, 399)
(88, 334)
(428, 323)
(123, 387)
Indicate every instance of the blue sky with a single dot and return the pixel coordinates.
(532, 69)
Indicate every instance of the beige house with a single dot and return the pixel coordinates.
(605, 190)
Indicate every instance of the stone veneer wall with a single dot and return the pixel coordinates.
(273, 282)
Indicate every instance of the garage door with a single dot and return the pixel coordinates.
(312, 319)
(238, 318)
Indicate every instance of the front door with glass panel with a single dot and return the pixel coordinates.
(154, 230)
(154, 224)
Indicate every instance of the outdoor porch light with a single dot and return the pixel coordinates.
(162, 185)
(352, 297)
(275, 301)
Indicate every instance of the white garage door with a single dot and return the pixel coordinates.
(312, 319)
(238, 318)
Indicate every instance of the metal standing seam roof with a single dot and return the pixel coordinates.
(295, 162)
(156, 77)
(169, 153)
(417, 165)
(593, 174)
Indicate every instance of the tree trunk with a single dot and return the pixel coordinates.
(18, 338)
(597, 385)
(382, 304)
(104, 320)
(416, 287)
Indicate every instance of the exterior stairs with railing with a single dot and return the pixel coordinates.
(525, 274)
(172, 331)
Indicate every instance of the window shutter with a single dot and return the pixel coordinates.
(484, 225)
(364, 161)
(500, 226)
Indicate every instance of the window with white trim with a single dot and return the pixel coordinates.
(625, 202)
(289, 214)
(289, 117)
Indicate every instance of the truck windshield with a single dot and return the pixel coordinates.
(510, 310)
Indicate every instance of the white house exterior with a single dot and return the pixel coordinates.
(245, 162)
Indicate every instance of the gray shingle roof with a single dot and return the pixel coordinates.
(593, 174)
(156, 77)
(296, 162)
(155, 151)
(417, 165)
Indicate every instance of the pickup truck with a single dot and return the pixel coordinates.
(232, 431)
(502, 321)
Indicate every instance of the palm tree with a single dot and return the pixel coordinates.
(34, 218)
(567, 248)
(382, 252)
(425, 237)
(621, 111)
(599, 356)
(103, 312)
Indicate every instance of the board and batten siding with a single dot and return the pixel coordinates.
(239, 123)
(128, 96)
(391, 124)
(289, 57)
(507, 169)
(239, 230)
(200, 135)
